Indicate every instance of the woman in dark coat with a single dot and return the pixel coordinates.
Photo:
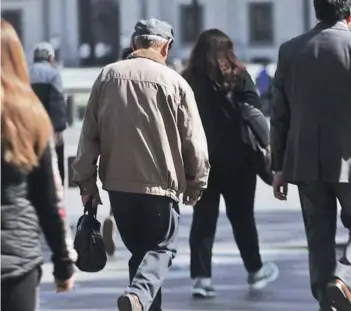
(220, 83)
(29, 196)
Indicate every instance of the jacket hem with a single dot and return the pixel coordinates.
(134, 187)
(18, 272)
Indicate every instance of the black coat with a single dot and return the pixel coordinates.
(227, 151)
(29, 203)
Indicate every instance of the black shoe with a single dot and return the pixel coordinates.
(339, 295)
(129, 302)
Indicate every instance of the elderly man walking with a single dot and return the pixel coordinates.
(311, 142)
(142, 120)
(46, 82)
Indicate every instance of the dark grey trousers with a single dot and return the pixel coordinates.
(148, 226)
(319, 208)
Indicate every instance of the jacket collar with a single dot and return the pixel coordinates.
(342, 25)
(149, 54)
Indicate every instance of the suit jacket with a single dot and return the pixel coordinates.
(311, 108)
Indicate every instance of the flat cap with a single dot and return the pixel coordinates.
(153, 27)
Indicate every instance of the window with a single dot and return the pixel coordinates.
(261, 23)
(14, 17)
(191, 22)
(99, 32)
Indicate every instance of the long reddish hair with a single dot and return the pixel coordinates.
(213, 56)
(25, 125)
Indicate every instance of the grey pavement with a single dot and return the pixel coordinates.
(281, 238)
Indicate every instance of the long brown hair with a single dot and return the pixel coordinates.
(25, 125)
(213, 56)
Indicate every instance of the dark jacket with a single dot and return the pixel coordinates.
(47, 84)
(227, 150)
(311, 110)
(29, 203)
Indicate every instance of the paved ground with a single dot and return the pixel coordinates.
(282, 240)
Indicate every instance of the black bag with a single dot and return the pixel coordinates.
(255, 134)
(88, 242)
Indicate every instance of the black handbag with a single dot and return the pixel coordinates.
(88, 242)
(252, 138)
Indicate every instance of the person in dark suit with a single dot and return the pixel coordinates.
(311, 142)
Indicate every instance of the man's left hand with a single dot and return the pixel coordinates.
(192, 197)
(280, 186)
(95, 199)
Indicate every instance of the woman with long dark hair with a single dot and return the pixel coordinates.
(29, 180)
(220, 83)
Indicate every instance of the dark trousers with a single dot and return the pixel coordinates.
(319, 208)
(238, 190)
(60, 152)
(20, 294)
(148, 226)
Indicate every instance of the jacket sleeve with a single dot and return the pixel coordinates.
(57, 104)
(194, 144)
(85, 164)
(280, 117)
(246, 91)
(43, 194)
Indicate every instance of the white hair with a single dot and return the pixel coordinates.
(149, 40)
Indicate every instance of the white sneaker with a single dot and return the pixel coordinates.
(267, 274)
(203, 288)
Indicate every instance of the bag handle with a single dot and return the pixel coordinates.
(88, 208)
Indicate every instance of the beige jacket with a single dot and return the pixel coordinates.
(142, 120)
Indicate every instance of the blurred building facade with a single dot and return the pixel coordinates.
(91, 32)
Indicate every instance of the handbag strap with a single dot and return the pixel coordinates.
(248, 136)
(88, 208)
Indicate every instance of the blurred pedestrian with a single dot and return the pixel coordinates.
(220, 84)
(29, 198)
(109, 225)
(46, 82)
(311, 142)
(264, 86)
(142, 120)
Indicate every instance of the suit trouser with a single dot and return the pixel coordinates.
(238, 190)
(319, 208)
(148, 226)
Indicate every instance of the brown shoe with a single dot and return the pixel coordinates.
(339, 295)
(108, 235)
(129, 302)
